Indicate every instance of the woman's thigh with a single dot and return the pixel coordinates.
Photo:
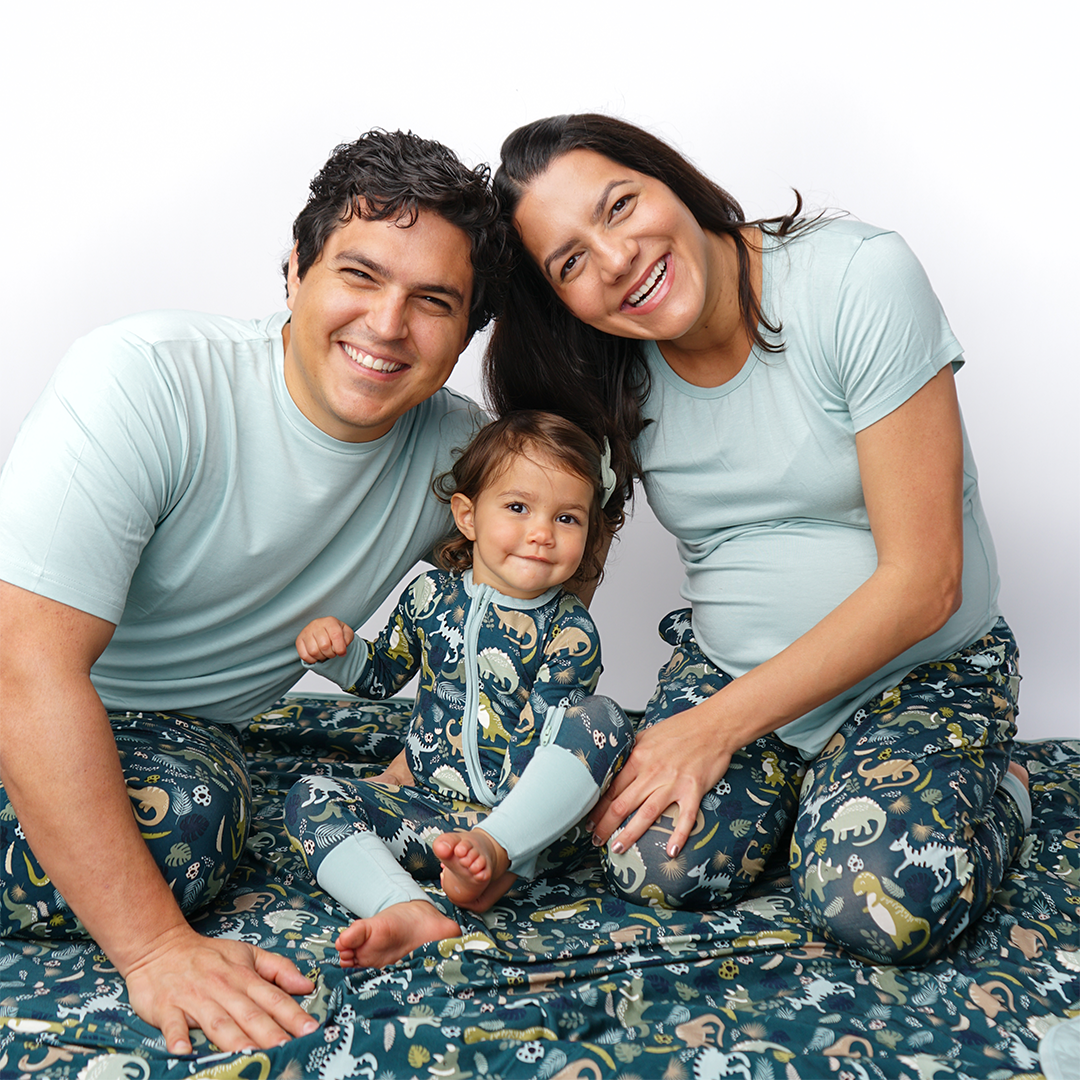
(191, 796)
(902, 835)
(740, 823)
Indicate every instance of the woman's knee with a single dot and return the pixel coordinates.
(599, 732)
(851, 896)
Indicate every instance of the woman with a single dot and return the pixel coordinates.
(784, 388)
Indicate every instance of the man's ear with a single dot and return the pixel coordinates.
(293, 281)
(462, 509)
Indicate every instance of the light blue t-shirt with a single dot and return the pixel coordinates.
(758, 479)
(167, 482)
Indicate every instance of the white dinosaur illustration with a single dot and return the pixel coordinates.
(932, 857)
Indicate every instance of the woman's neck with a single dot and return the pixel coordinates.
(714, 351)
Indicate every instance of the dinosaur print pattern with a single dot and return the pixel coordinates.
(898, 825)
(191, 795)
(561, 979)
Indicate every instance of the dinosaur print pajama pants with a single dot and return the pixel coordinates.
(191, 796)
(900, 833)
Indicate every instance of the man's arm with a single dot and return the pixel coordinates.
(176, 979)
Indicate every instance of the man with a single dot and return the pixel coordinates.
(187, 494)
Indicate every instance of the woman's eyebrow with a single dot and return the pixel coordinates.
(597, 214)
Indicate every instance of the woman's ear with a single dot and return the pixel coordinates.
(462, 509)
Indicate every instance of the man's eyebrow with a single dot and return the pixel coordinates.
(597, 214)
(358, 257)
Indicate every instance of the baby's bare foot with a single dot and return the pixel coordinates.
(393, 933)
(475, 869)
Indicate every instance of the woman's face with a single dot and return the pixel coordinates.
(619, 248)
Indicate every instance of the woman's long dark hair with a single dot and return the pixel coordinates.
(540, 356)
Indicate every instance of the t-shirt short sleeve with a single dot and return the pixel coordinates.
(891, 334)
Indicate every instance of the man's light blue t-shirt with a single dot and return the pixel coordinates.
(758, 479)
(167, 482)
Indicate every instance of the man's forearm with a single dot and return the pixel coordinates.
(62, 773)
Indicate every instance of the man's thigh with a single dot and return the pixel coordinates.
(191, 797)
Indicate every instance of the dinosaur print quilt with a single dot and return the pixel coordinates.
(561, 980)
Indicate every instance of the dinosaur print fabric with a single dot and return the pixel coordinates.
(191, 796)
(561, 980)
(901, 835)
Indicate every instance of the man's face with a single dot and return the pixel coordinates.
(378, 323)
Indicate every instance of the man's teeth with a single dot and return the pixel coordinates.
(639, 295)
(373, 363)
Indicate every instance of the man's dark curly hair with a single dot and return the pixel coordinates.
(393, 175)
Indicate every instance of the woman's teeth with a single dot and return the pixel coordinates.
(639, 296)
(373, 363)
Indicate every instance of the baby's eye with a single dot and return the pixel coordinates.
(516, 508)
(568, 519)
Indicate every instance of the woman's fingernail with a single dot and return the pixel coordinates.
(617, 847)
(310, 1027)
(673, 851)
(597, 842)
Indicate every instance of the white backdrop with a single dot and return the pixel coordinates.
(156, 154)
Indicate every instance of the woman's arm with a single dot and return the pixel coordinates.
(911, 466)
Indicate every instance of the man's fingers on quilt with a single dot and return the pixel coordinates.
(175, 1031)
(218, 986)
(282, 972)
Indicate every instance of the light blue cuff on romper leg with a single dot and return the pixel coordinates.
(361, 874)
(1013, 786)
(556, 791)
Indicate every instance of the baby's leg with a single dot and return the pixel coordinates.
(475, 869)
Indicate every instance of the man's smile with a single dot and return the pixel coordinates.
(372, 363)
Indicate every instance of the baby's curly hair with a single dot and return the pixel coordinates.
(528, 433)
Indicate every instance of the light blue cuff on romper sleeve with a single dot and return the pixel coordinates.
(362, 875)
(556, 791)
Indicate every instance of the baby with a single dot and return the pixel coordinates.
(507, 748)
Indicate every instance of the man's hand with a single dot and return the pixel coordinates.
(323, 639)
(237, 994)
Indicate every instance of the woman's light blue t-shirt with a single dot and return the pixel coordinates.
(758, 479)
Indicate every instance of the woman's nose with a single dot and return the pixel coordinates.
(615, 257)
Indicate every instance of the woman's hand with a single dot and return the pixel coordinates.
(673, 764)
(323, 639)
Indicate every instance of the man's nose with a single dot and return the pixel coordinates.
(387, 316)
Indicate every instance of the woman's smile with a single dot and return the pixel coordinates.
(648, 294)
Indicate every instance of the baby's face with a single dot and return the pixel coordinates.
(528, 527)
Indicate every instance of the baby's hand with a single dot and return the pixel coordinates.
(323, 639)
